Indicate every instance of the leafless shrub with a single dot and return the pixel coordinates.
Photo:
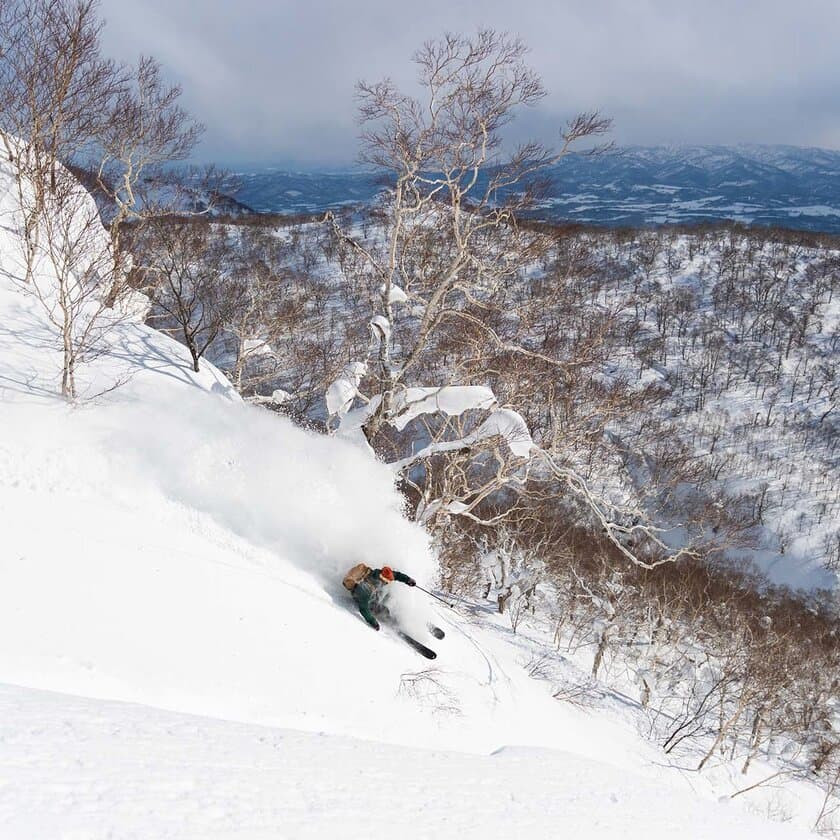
(578, 694)
(426, 688)
(146, 129)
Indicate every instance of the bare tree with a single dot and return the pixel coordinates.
(192, 291)
(449, 233)
(56, 92)
(448, 242)
(64, 108)
(75, 270)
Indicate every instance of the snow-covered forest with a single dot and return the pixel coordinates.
(608, 458)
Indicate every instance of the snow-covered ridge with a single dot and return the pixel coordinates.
(764, 185)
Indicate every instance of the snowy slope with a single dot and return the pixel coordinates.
(133, 771)
(167, 545)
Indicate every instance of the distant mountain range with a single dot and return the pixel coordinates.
(763, 185)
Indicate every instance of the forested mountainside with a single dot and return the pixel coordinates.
(702, 368)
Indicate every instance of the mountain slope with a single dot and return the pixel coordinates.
(168, 545)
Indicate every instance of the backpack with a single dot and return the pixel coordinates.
(356, 575)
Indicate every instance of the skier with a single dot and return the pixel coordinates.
(368, 589)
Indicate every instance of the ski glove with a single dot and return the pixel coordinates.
(411, 582)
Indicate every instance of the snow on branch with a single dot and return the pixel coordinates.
(343, 391)
(406, 404)
(511, 427)
(453, 400)
(278, 397)
(380, 330)
(395, 293)
(257, 347)
(504, 423)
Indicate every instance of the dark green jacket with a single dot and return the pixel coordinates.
(369, 592)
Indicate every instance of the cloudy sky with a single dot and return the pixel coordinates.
(273, 79)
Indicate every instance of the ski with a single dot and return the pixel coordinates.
(420, 648)
(436, 632)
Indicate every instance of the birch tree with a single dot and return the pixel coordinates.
(55, 93)
(448, 239)
(147, 130)
(450, 233)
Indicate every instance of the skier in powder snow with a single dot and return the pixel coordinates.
(369, 590)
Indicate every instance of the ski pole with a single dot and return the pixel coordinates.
(451, 606)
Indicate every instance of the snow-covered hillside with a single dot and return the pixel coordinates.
(168, 546)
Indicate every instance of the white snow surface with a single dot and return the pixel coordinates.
(179, 658)
(182, 776)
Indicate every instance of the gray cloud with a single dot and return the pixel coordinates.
(273, 79)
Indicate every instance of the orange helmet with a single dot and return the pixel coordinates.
(387, 573)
